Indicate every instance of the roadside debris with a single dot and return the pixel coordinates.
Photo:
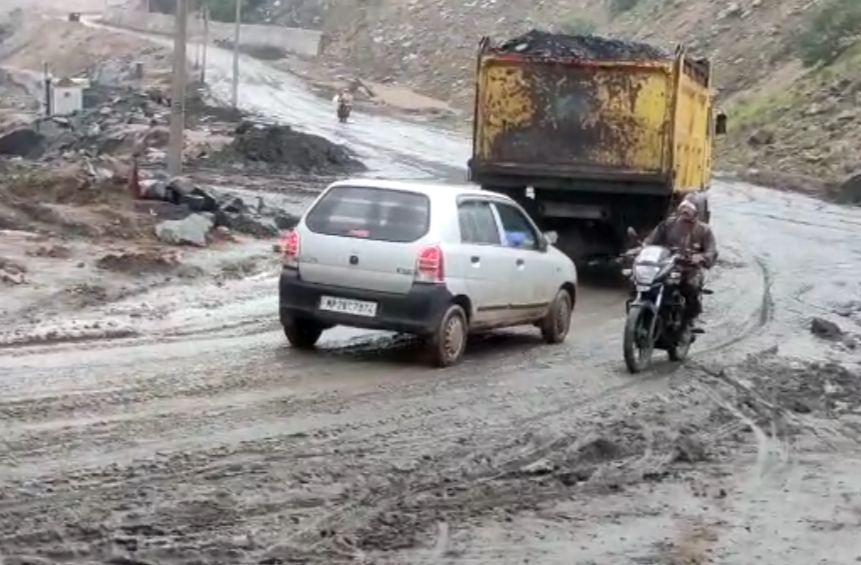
(825, 329)
(139, 263)
(116, 121)
(212, 209)
(193, 230)
(546, 44)
(12, 272)
(821, 389)
(285, 148)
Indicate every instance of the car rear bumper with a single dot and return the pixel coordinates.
(417, 312)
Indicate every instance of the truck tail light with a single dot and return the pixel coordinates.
(430, 265)
(290, 249)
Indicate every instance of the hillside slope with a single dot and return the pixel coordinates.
(785, 113)
(783, 67)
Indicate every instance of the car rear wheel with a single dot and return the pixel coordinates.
(447, 345)
(557, 321)
(303, 334)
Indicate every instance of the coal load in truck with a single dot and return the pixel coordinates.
(591, 47)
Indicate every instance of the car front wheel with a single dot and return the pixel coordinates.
(303, 334)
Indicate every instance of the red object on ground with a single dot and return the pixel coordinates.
(134, 183)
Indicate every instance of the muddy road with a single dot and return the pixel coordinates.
(202, 438)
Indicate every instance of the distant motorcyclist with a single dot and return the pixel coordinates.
(343, 105)
(687, 233)
(343, 98)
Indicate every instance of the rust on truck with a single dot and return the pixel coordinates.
(584, 116)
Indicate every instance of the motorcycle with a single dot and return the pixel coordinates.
(655, 311)
(344, 110)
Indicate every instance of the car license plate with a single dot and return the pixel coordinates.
(347, 306)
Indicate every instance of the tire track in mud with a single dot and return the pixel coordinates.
(758, 319)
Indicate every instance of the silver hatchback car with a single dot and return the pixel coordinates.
(436, 261)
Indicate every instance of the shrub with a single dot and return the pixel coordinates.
(832, 30)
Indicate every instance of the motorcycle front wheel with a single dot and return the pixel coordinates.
(638, 341)
(679, 350)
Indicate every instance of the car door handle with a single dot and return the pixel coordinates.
(475, 259)
(520, 262)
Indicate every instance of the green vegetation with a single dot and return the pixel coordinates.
(578, 26)
(759, 110)
(830, 32)
(815, 85)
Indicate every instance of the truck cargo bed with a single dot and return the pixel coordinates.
(574, 117)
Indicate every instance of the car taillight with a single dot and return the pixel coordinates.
(290, 249)
(430, 265)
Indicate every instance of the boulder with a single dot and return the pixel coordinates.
(193, 230)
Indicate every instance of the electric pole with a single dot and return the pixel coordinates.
(205, 41)
(177, 97)
(236, 53)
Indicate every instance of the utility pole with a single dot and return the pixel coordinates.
(177, 97)
(236, 53)
(205, 41)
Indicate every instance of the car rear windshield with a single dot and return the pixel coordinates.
(371, 213)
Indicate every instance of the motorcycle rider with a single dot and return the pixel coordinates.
(688, 233)
(343, 98)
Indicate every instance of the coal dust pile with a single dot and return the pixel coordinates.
(286, 148)
(545, 44)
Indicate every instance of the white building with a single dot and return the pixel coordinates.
(67, 95)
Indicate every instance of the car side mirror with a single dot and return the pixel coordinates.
(720, 124)
(551, 237)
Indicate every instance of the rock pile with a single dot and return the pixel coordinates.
(125, 122)
(545, 44)
(291, 150)
(208, 210)
(114, 121)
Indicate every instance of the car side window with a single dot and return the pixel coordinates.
(519, 232)
(477, 223)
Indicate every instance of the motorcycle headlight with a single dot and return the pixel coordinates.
(645, 274)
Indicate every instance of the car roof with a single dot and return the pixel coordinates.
(429, 189)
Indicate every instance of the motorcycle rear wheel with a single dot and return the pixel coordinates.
(638, 342)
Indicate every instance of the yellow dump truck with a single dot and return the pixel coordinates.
(592, 144)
